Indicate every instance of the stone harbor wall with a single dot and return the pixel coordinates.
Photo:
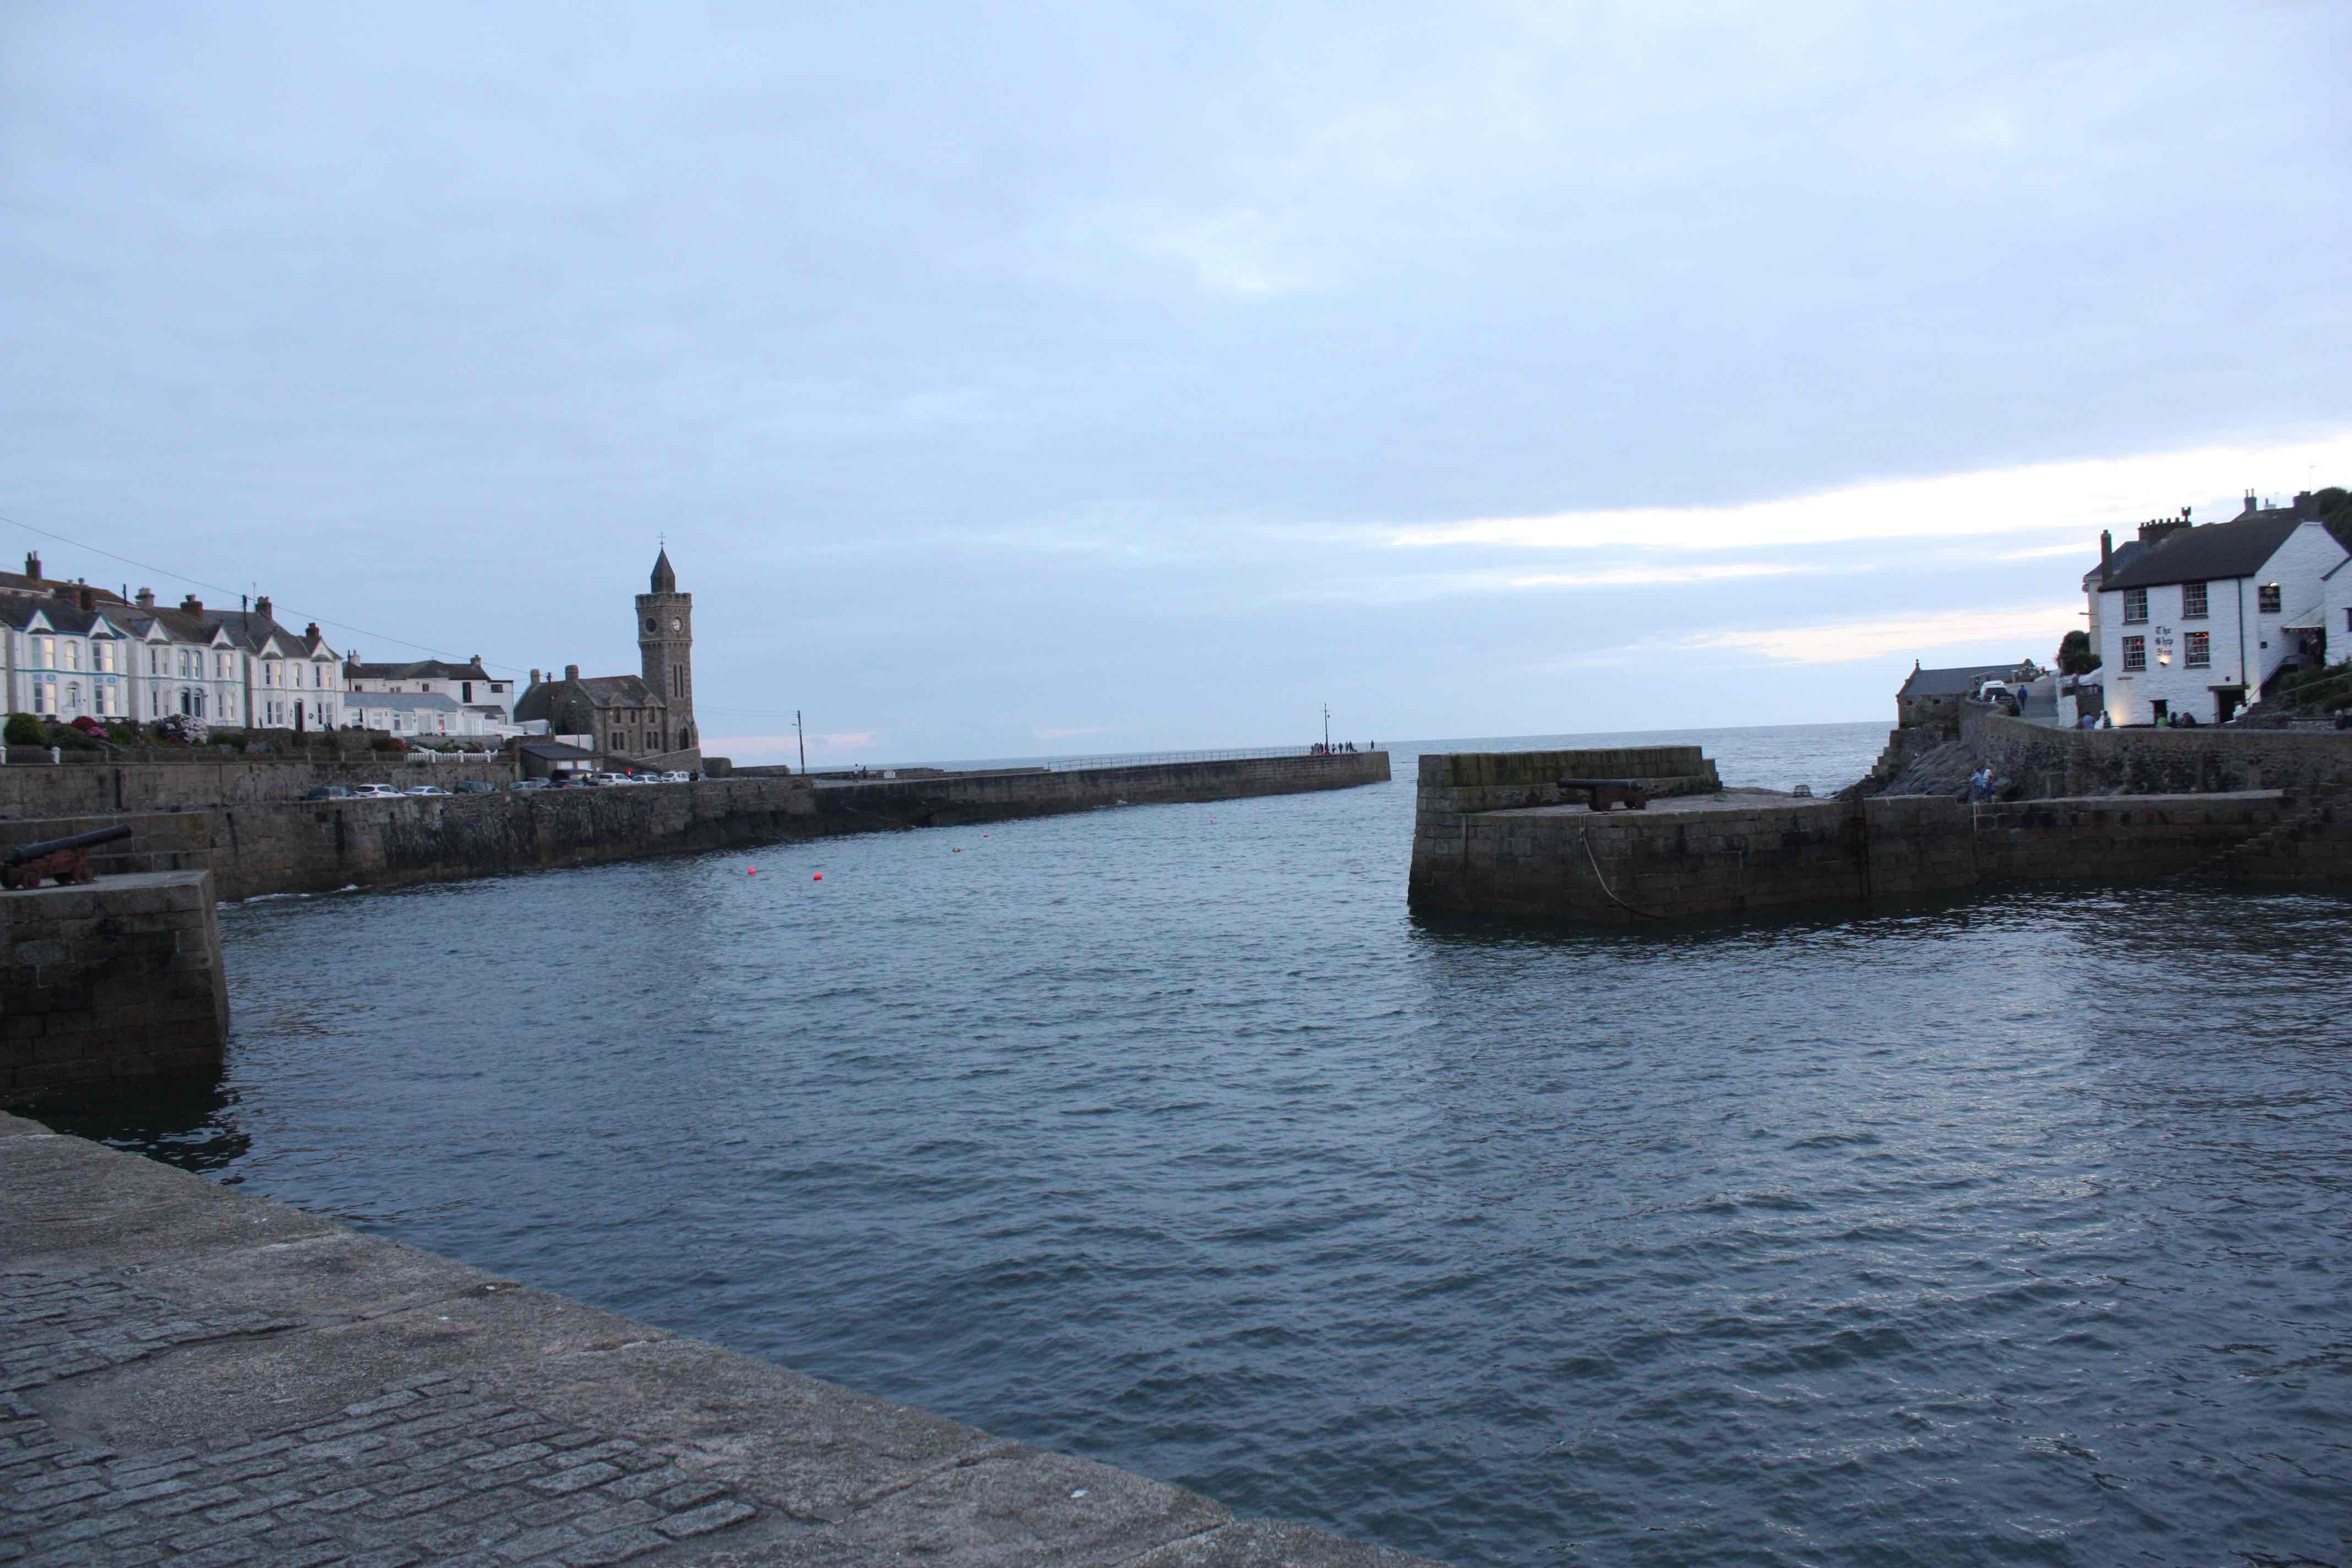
(1745, 851)
(88, 789)
(309, 847)
(198, 1374)
(1497, 781)
(2055, 763)
(109, 987)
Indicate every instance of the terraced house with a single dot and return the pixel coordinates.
(92, 654)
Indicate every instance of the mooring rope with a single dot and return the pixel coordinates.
(1586, 839)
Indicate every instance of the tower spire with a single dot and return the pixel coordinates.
(665, 579)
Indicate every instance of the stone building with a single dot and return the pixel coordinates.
(645, 720)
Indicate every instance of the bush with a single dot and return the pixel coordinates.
(66, 738)
(23, 729)
(388, 743)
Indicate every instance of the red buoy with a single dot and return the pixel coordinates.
(818, 878)
(750, 870)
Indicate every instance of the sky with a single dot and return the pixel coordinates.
(1015, 380)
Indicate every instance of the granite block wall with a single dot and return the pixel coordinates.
(1503, 781)
(109, 987)
(86, 789)
(319, 846)
(2063, 763)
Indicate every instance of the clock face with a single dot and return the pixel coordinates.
(677, 624)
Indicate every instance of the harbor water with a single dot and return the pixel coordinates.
(2005, 1230)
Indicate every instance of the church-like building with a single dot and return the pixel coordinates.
(646, 719)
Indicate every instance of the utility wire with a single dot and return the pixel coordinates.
(199, 582)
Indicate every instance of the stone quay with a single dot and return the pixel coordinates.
(1493, 835)
(189, 1374)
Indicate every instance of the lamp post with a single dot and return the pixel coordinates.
(803, 736)
(1326, 728)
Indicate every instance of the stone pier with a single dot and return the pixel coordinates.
(109, 987)
(192, 1376)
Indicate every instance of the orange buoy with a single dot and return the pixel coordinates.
(818, 878)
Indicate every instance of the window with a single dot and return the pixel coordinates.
(2266, 599)
(2192, 601)
(2134, 605)
(45, 696)
(73, 655)
(2199, 649)
(107, 705)
(45, 653)
(224, 667)
(102, 655)
(2135, 653)
(154, 662)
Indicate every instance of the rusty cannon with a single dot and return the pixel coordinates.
(1603, 795)
(66, 860)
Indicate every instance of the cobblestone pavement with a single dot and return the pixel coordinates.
(427, 1472)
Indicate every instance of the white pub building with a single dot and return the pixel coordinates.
(2200, 618)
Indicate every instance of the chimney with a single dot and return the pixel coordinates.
(2106, 550)
(146, 599)
(88, 597)
(2157, 530)
(2252, 506)
(534, 677)
(32, 564)
(193, 605)
(476, 661)
(312, 632)
(2305, 506)
(570, 672)
(261, 606)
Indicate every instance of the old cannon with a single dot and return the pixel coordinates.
(66, 860)
(1601, 794)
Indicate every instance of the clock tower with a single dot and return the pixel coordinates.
(665, 640)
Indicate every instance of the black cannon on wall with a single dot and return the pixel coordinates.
(66, 860)
(1601, 794)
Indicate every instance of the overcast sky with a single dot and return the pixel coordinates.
(1011, 380)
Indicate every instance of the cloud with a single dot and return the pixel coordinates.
(1989, 635)
(1070, 734)
(2080, 496)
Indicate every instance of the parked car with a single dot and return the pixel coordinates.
(473, 786)
(329, 792)
(375, 792)
(677, 775)
(531, 784)
(428, 789)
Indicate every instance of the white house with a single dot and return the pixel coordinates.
(2203, 619)
(64, 658)
(2335, 596)
(468, 685)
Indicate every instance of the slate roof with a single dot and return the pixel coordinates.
(601, 690)
(2215, 552)
(2123, 555)
(65, 615)
(17, 584)
(558, 751)
(421, 669)
(1957, 682)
